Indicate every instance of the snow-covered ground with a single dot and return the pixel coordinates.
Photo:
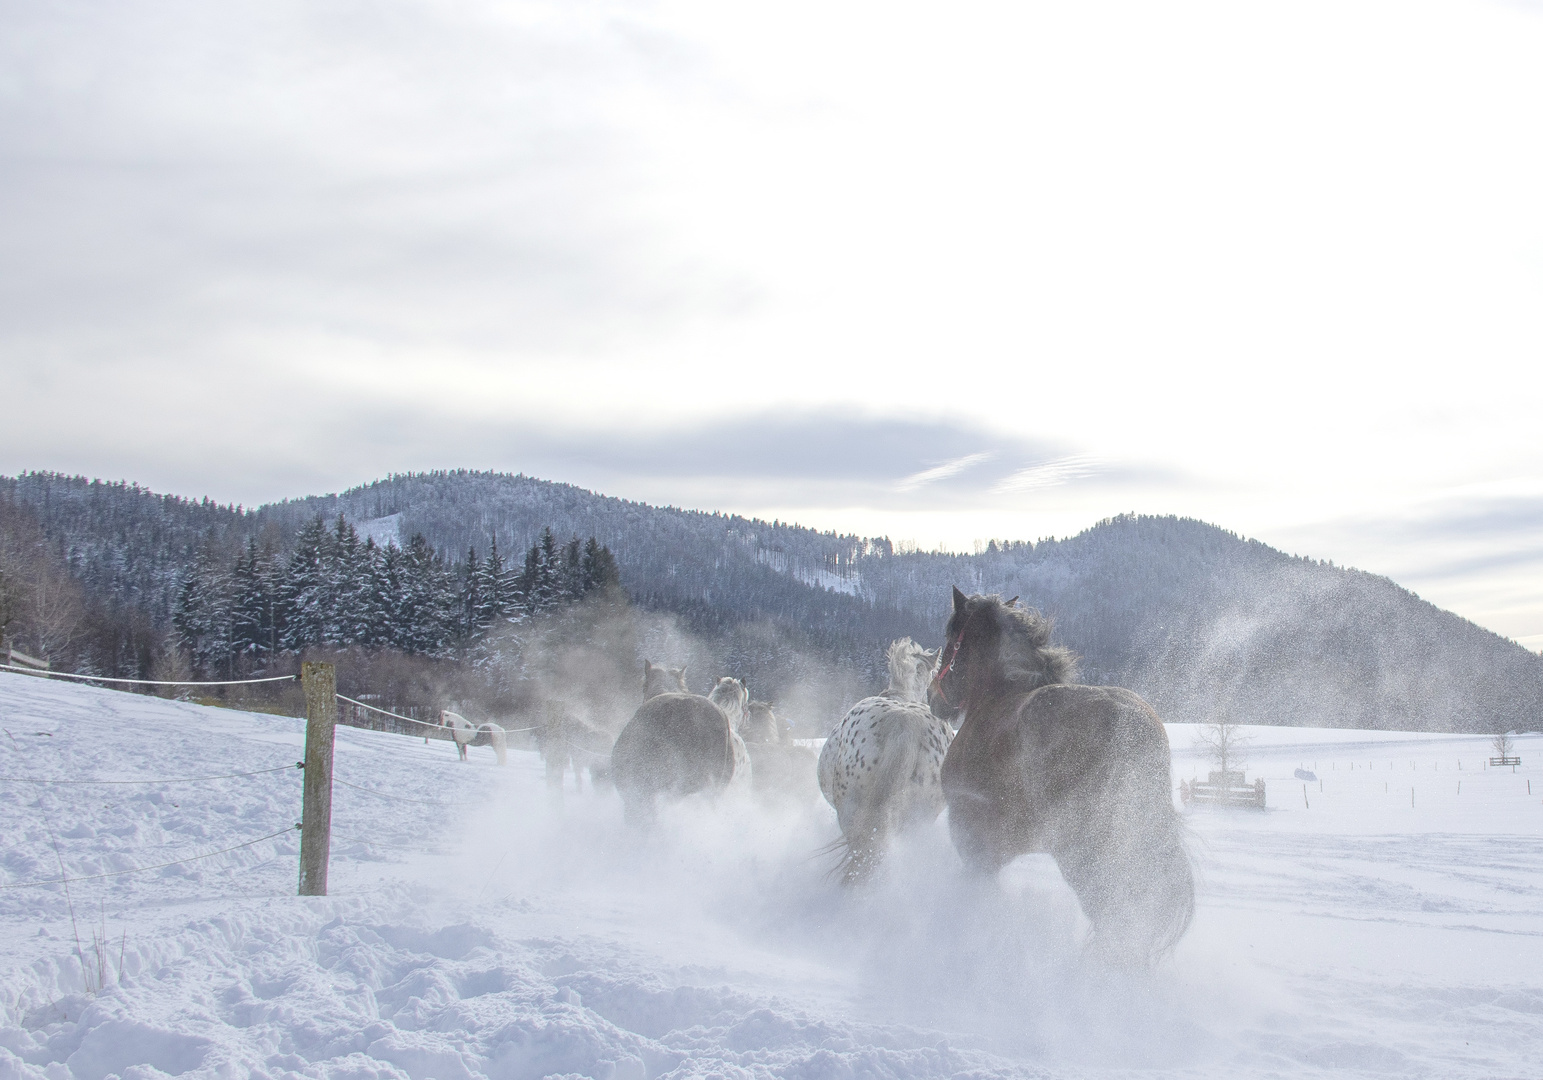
(478, 928)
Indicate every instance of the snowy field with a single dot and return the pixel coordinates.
(477, 927)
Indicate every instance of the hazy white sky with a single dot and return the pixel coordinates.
(940, 273)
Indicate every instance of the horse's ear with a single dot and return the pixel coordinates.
(647, 667)
(1013, 601)
(959, 600)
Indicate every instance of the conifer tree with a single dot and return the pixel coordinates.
(473, 596)
(382, 602)
(599, 572)
(202, 619)
(542, 580)
(573, 571)
(250, 606)
(363, 607)
(345, 586)
(500, 586)
(429, 595)
(305, 588)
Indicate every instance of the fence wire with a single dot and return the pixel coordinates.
(66, 880)
(387, 795)
(169, 780)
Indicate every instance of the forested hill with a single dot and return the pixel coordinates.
(1197, 619)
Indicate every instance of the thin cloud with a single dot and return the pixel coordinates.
(941, 472)
(1047, 474)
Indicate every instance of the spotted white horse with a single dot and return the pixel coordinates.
(882, 766)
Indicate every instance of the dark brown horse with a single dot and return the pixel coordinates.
(675, 744)
(1079, 772)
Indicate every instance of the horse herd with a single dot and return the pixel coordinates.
(993, 727)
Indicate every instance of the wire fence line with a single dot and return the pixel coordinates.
(388, 795)
(142, 682)
(168, 780)
(235, 682)
(66, 880)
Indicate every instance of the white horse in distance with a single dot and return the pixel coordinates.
(731, 696)
(465, 734)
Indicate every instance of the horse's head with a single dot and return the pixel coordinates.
(731, 696)
(994, 644)
(910, 669)
(760, 724)
(663, 680)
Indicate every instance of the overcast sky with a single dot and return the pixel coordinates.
(937, 272)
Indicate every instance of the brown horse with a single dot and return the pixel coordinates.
(675, 744)
(663, 680)
(567, 740)
(1079, 772)
(781, 768)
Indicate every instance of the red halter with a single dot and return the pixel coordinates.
(937, 681)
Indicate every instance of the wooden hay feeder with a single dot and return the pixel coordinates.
(1223, 789)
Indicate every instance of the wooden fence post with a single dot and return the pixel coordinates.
(321, 716)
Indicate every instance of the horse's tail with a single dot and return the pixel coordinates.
(882, 809)
(1172, 884)
(743, 766)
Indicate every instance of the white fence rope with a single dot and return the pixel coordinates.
(421, 723)
(395, 716)
(142, 869)
(141, 682)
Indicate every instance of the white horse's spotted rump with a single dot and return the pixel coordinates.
(882, 766)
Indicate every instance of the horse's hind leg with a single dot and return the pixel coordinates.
(861, 859)
(555, 763)
(1139, 898)
(599, 778)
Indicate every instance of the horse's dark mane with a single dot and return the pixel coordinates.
(1028, 659)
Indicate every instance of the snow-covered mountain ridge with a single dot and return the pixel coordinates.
(1197, 619)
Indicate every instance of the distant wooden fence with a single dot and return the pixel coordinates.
(16, 658)
(1223, 789)
(1499, 761)
(354, 716)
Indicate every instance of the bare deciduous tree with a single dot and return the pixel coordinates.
(172, 664)
(53, 610)
(1504, 742)
(1226, 742)
(40, 605)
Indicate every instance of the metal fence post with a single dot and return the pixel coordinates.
(321, 716)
